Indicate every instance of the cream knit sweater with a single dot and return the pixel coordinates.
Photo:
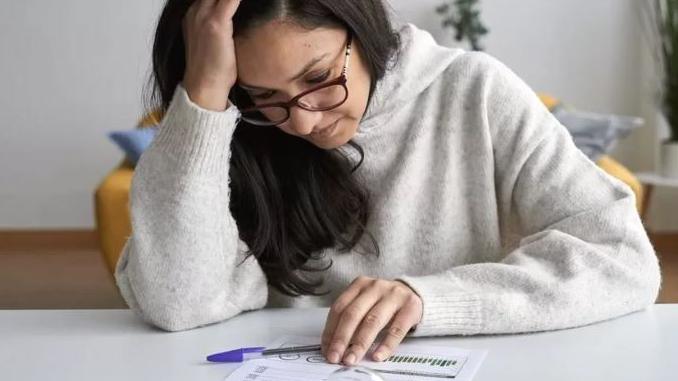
(479, 201)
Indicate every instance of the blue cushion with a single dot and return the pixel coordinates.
(596, 134)
(134, 142)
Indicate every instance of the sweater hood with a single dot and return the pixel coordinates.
(417, 64)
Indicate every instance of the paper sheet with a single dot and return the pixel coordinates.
(410, 362)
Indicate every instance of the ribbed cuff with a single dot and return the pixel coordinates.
(446, 311)
(199, 139)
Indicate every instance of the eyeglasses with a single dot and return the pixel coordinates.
(325, 97)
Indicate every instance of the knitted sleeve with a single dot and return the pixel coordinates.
(184, 265)
(584, 255)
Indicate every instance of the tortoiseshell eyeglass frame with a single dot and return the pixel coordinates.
(294, 102)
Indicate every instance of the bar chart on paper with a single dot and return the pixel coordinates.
(421, 364)
(410, 362)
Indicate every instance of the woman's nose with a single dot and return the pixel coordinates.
(302, 121)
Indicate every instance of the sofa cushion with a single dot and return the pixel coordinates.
(133, 142)
(596, 134)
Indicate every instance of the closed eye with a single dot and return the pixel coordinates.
(313, 81)
(265, 95)
(320, 79)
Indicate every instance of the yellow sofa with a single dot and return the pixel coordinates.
(112, 211)
(111, 206)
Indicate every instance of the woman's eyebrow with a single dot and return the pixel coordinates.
(308, 66)
(301, 73)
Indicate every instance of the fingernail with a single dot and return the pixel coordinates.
(333, 357)
(379, 356)
(350, 359)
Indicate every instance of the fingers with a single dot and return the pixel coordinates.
(406, 318)
(337, 308)
(351, 292)
(220, 9)
(372, 324)
(190, 14)
(225, 9)
(362, 312)
(343, 344)
(211, 66)
(202, 8)
(196, 11)
(348, 314)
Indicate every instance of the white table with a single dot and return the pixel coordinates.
(115, 345)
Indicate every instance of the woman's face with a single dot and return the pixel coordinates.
(273, 65)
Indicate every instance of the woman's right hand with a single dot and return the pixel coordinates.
(211, 68)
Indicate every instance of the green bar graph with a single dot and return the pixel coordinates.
(431, 361)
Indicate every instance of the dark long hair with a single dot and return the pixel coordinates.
(290, 199)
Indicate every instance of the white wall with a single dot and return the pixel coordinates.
(73, 70)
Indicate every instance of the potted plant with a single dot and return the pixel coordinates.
(464, 17)
(664, 21)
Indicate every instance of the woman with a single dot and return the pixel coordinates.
(411, 187)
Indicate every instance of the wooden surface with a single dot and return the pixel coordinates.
(50, 240)
(66, 271)
(54, 270)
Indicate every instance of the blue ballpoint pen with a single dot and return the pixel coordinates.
(250, 353)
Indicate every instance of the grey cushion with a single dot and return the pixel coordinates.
(596, 134)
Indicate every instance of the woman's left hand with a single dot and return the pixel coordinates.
(361, 312)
